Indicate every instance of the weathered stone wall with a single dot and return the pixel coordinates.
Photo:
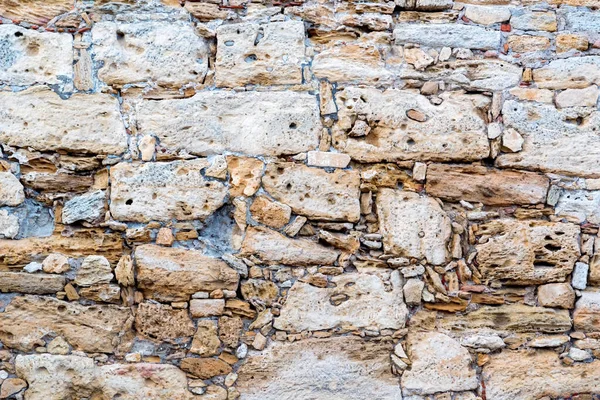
(307, 200)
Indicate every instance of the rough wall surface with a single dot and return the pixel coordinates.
(299, 200)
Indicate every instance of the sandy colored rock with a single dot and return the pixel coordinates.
(270, 213)
(205, 368)
(488, 186)
(23, 282)
(163, 323)
(131, 52)
(206, 342)
(171, 274)
(40, 119)
(230, 329)
(96, 328)
(487, 15)
(124, 271)
(534, 21)
(77, 377)
(566, 42)
(252, 123)
(570, 73)
(327, 159)
(439, 364)
(586, 316)
(559, 295)
(30, 57)
(554, 140)
(527, 252)
(56, 263)
(451, 35)
(200, 308)
(452, 131)
(34, 11)
(11, 387)
(413, 225)
(274, 248)
(244, 175)
(268, 54)
(102, 293)
(527, 43)
(93, 270)
(311, 308)
(313, 192)
(260, 290)
(162, 191)
(350, 366)
(11, 190)
(521, 375)
(587, 97)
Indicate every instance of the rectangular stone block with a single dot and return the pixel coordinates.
(558, 141)
(173, 274)
(584, 20)
(527, 252)
(25, 282)
(450, 35)
(253, 123)
(161, 191)
(28, 56)
(586, 316)
(167, 53)
(581, 204)
(96, 328)
(488, 186)
(405, 126)
(268, 54)
(40, 119)
(569, 73)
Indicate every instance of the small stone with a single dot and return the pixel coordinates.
(579, 355)
(56, 263)
(205, 368)
(587, 97)
(133, 357)
(32, 267)
(548, 341)
(429, 88)
(58, 346)
(486, 341)
(241, 351)
(416, 115)
(11, 190)
(259, 342)
(206, 342)
(124, 271)
(445, 54)
(512, 141)
(418, 58)
(487, 15)
(297, 224)
(327, 160)
(3, 374)
(9, 225)
(413, 289)
(93, 270)
(230, 329)
(579, 280)
(566, 42)
(269, 212)
(244, 175)
(11, 386)
(165, 237)
(359, 129)
(201, 308)
(217, 168)
(147, 146)
(559, 295)
(89, 207)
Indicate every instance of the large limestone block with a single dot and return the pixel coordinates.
(11, 190)
(489, 186)
(452, 131)
(439, 364)
(314, 192)
(274, 248)
(174, 274)
(96, 328)
(161, 191)
(511, 317)
(168, 53)
(23, 282)
(449, 35)
(79, 243)
(527, 252)
(253, 123)
(340, 368)
(524, 375)
(355, 300)
(413, 225)
(40, 119)
(581, 204)
(559, 141)
(587, 312)
(569, 73)
(28, 56)
(75, 377)
(34, 11)
(269, 54)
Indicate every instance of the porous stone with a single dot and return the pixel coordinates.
(586, 316)
(571, 73)
(413, 225)
(167, 53)
(587, 97)
(206, 342)
(349, 303)
(438, 363)
(452, 131)
(268, 54)
(84, 123)
(534, 21)
(174, 274)
(253, 123)
(93, 270)
(488, 186)
(559, 295)
(244, 175)
(580, 204)
(24, 282)
(162, 191)
(274, 248)
(89, 207)
(163, 323)
(29, 57)
(451, 35)
(314, 192)
(200, 308)
(56, 263)
(9, 224)
(95, 328)
(527, 252)
(205, 368)
(11, 190)
(34, 12)
(521, 375)
(349, 366)
(270, 213)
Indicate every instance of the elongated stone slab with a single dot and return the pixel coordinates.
(450, 35)
(24, 282)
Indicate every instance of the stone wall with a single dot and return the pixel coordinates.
(307, 200)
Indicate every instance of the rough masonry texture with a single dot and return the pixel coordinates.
(299, 200)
